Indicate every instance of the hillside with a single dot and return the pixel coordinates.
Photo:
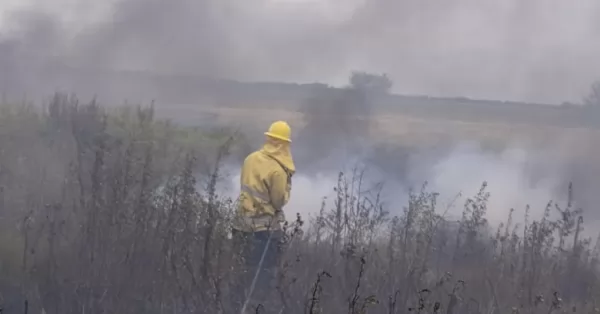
(418, 120)
(143, 87)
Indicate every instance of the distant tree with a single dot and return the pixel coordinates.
(375, 83)
(593, 98)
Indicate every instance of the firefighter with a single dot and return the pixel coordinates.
(266, 181)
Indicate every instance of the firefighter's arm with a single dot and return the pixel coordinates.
(279, 189)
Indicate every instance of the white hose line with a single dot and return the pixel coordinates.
(256, 274)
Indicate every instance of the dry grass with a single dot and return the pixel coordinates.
(414, 131)
(106, 213)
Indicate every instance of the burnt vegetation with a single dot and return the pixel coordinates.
(114, 211)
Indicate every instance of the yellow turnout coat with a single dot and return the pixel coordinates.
(266, 182)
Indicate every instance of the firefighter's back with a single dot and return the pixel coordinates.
(255, 206)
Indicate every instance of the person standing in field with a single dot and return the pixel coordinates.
(266, 182)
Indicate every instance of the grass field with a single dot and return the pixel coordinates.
(119, 213)
(406, 129)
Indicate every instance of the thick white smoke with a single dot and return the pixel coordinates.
(534, 50)
(462, 171)
(508, 175)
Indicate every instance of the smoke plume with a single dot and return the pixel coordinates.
(534, 51)
(456, 176)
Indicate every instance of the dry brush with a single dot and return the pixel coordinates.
(118, 212)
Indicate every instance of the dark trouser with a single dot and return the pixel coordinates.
(250, 247)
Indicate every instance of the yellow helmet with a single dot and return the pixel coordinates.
(280, 130)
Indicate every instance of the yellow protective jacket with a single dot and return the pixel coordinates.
(266, 182)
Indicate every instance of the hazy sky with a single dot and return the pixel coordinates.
(534, 50)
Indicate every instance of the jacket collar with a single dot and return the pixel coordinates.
(281, 153)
